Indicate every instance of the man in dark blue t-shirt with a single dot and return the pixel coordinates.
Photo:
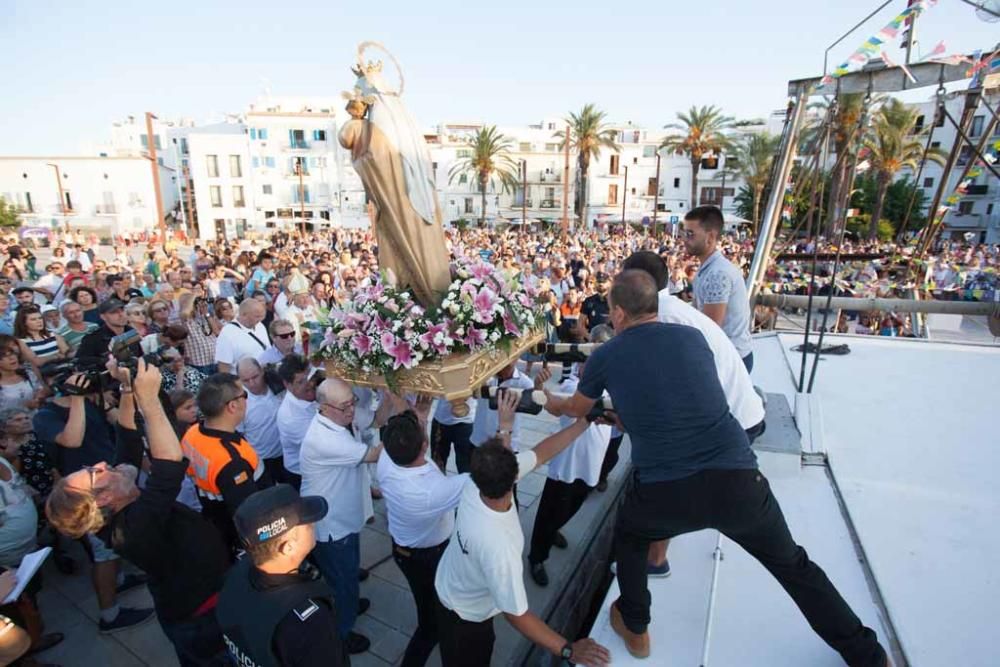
(695, 470)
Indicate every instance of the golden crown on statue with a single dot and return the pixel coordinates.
(361, 69)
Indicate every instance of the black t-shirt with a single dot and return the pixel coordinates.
(98, 437)
(180, 550)
(596, 308)
(664, 387)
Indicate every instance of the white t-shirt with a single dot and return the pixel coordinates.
(420, 501)
(744, 403)
(235, 342)
(584, 458)
(332, 467)
(19, 519)
(260, 425)
(444, 416)
(487, 421)
(481, 573)
(294, 419)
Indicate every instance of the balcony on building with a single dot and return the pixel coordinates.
(550, 177)
(105, 209)
(550, 203)
(981, 189)
(298, 144)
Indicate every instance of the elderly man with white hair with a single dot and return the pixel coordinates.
(331, 461)
(260, 424)
(245, 336)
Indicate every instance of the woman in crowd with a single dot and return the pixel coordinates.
(178, 375)
(38, 345)
(136, 314)
(22, 450)
(203, 329)
(18, 386)
(87, 298)
(158, 314)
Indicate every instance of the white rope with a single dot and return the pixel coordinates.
(706, 644)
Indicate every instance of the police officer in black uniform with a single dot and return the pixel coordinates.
(276, 609)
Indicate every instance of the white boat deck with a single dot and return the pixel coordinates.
(909, 427)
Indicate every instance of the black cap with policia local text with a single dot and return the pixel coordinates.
(275, 511)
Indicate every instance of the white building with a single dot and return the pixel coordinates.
(978, 210)
(104, 195)
(218, 157)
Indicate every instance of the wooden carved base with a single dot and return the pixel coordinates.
(452, 378)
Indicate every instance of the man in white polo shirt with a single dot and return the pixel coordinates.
(481, 574)
(484, 426)
(298, 407)
(243, 337)
(421, 503)
(744, 402)
(332, 463)
(260, 422)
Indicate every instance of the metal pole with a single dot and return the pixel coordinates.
(722, 195)
(846, 34)
(624, 197)
(524, 199)
(772, 213)
(188, 186)
(911, 24)
(62, 196)
(151, 146)
(302, 198)
(865, 304)
(717, 556)
(565, 219)
(180, 192)
(656, 193)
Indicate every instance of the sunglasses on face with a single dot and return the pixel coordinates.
(285, 336)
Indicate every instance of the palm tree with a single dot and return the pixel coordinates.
(703, 133)
(489, 161)
(588, 134)
(844, 136)
(890, 146)
(755, 153)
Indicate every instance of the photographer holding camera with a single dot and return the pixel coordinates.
(183, 552)
(76, 426)
(94, 347)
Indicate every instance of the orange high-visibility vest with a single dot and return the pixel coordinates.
(209, 454)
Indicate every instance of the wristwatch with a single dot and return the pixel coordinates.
(567, 652)
(505, 431)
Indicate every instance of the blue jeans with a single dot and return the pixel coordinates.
(197, 641)
(340, 563)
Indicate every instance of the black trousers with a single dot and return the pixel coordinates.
(444, 436)
(559, 502)
(740, 505)
(464, 643)
(611, 456)
(419, 567)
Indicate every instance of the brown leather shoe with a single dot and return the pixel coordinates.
(637, 645)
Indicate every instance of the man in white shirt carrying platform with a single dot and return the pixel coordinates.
(420, 501)
(296, 413)
(243, 337)
(481, 574)
(332, 463)
(260, 422)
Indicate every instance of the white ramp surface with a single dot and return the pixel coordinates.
(911, 431)
(755, 622)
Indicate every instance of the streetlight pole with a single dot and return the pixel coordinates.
(624, 198)
(302, 198)
(524, 198)
(565, 217)
(62, 195)
(656, 193)
(151, 148)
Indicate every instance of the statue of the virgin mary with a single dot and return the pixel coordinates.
(389, 153)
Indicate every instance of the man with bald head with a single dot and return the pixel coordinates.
(331, 461)
(260, 424)
(245, 336)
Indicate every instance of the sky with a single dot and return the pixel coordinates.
(71, 69)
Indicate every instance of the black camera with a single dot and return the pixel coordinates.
(121, 349)
(56, 373)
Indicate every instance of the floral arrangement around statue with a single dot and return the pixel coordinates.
(383, 330)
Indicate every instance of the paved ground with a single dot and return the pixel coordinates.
(68, 603)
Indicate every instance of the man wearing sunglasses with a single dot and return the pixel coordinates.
(283, 343)
(182, 553)
(224, 466)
